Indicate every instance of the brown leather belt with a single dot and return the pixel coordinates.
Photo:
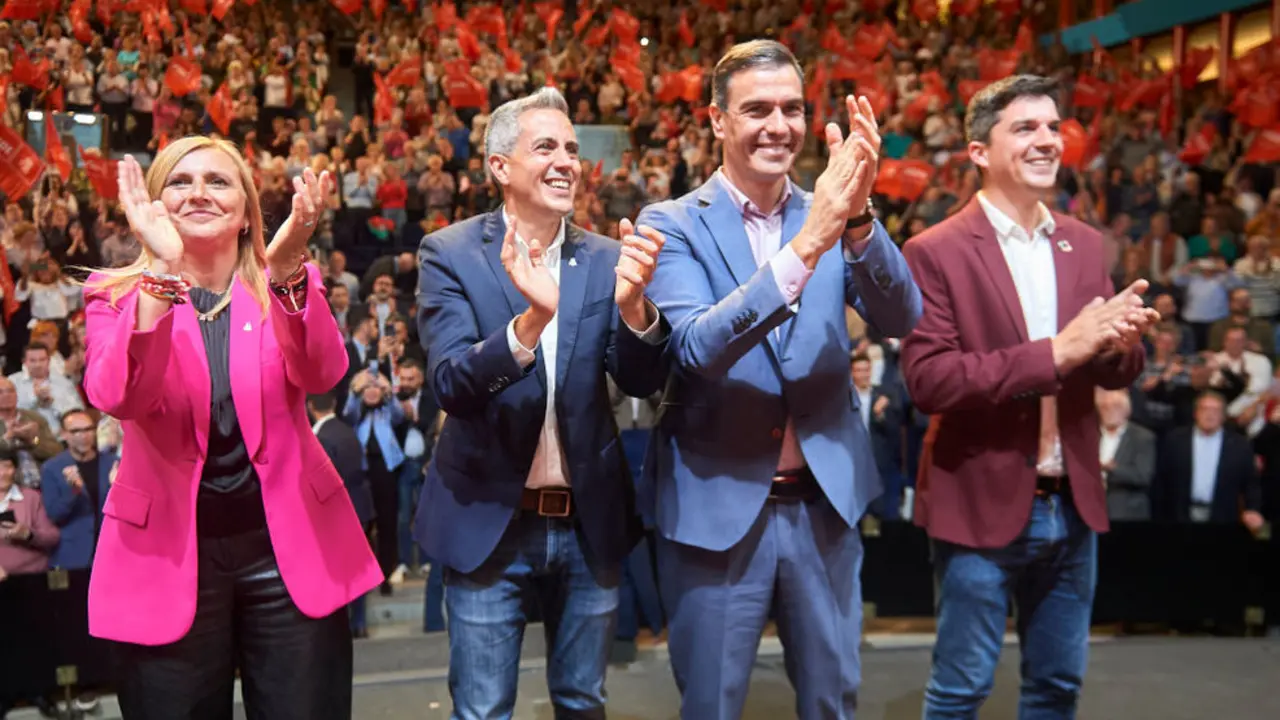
(548, 502)
(1048, 485)
(794, 485)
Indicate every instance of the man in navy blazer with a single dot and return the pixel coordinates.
(760, 466)
(75, 483)
(527, 498)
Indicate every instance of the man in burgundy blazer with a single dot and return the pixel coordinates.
(1014, 323)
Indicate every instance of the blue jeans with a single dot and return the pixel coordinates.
(1049, 573)
(537, 560)
(409, 485)
(433, 599)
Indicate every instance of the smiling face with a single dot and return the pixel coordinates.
(762, 125)
(205, 197)
(542, 172)
(1025, 147)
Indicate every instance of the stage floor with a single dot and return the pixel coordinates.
(1129, 679)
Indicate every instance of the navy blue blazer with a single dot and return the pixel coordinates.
(735, 381)
(71, 511)
(494, 409)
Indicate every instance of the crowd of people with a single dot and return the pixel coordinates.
(398, 117)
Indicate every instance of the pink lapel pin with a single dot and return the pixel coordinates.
(1064, 246)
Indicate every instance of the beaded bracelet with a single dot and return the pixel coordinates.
(164, 287)
(293, 287)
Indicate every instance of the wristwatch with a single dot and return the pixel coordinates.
(868, 215)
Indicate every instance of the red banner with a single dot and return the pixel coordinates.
(406, 74)
(22, 10)
(183, 76)
(904, 179)
(102, 174)
(221, 108)
(25, 72)
(20, 166)
(1091, 92)
(56, 155)
(1198, 145)
(221, 8)
(1265, 148)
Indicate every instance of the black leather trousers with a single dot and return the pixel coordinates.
(290, 665)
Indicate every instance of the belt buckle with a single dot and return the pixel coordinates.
(553, 503)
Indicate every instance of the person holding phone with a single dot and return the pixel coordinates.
(27, 535)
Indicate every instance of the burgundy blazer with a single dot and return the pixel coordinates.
(969, 364)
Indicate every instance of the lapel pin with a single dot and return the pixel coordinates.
(573, 262)
(248, 327)
(1064, 246)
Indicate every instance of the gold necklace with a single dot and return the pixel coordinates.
(219, 306)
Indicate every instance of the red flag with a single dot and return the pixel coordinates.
(512, 61)
(1090, 92)
(25, 72)
(969, 88)
(904, 179)
(406, 73)
(1008, 9)
(384, 101)
(996, 64)
(20, 166)
(597, 36)
(194, 7)
(221, 108)
(550, 12)
(445, 14)
(631, 76)
(1198, 145)
(465, 92)
(1074, 142)
(102, 174)
(869, 41)
(55, 100)
(583, 19)
(1197, 60)
(686, 32)
(965, 8)
(1025, 42)
(55, 154)
(625, 26)
(221, 8)
(378, 7)
(348, 7)
(1265, 147)
(467, 41)
(1256, 105)
(926, 11)
(22, 10)
(183, 76)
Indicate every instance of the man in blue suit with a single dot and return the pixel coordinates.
(75, 484)
(527, 499)
(759, 466)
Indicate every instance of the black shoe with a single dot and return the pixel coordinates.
(360, 633)
(385, 589)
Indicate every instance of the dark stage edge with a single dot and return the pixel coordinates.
(1129, 679)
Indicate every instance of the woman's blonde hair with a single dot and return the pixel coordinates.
(252, 262)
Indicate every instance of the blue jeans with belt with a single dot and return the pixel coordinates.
(538, 560)
(1049, 572)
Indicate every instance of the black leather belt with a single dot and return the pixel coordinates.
(548, 502)
(1048, 485)
(794, 485)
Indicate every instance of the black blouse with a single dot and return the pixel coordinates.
(230, 494)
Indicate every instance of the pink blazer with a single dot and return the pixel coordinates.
(143, 586)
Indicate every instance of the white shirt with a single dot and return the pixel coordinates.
(14, 495)
(1110, 443)
(1258, 368)
(1206, 451)
(1030, 260)
(315, 429)
(864, 402)
(548, 468)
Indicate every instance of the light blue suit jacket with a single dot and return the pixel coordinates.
(734, 382)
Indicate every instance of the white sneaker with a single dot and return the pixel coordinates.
(397, 576)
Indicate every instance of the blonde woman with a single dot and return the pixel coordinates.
(228, 542)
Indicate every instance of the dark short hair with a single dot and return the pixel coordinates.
(986, 104)
(62, 421)
(747, 56)
(410, 363)
(37, 346)
(857, 357)
(323, 402)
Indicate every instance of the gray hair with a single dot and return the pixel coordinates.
(747, 56)
(985, 106)
(504, 124)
